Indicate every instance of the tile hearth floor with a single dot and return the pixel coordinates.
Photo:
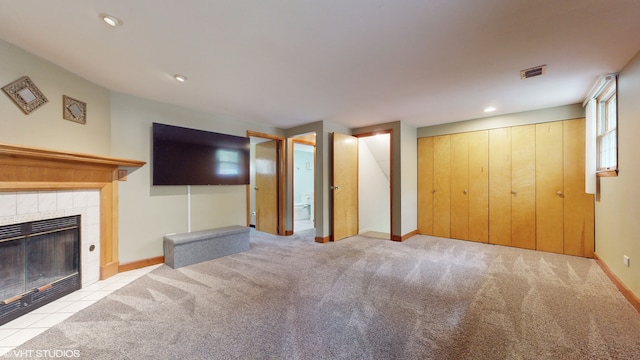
(28, 326)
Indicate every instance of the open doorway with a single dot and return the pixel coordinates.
(374, 185)
(304, 173)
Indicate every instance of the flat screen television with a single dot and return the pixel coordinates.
(183, 156)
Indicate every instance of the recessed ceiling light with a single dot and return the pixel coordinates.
(490, 109)
(111, 20)
(180, 78)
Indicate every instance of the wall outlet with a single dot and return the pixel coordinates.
(625, 260)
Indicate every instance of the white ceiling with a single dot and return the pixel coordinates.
(356, 62)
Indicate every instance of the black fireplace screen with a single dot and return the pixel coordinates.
(39, 262)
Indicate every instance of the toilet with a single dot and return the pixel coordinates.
(304, 209)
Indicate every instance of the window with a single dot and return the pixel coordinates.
(606, 130)
(601, 135)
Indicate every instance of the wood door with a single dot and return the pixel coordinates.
(549, 187)
(425, 186)
(345, 186)
(523, 186)
(460, 186)
(479, 186)
(578, 205)
(266, 186)
(500, 186)
(442, 186)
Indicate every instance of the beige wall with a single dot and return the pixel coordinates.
(147, 212)
(45, 127)
(618, 201)
(409, 180)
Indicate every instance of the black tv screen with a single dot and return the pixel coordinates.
(183, 156)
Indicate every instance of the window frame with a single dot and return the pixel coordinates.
(603, 101)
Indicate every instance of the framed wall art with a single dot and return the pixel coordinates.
(74, 109)
(25, 94)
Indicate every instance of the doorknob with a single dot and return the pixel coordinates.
(514, 192)
(559, 193)
(255, 188)
(466, 191)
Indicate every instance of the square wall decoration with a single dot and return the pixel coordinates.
(74, 109)
(25, 94)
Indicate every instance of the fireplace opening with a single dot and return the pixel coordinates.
(39, 263)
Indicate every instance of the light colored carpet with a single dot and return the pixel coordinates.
(361, 298)
(376, 235)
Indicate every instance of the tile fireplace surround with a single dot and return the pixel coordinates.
(38, 184)
(20, 207)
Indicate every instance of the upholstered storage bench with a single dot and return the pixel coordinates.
(194, 247)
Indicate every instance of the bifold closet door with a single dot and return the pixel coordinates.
(460, 186)
(479, 186)
(519, 186)
(578, 205)
(549, 187)
(523, 186)
(442, 186)
(500, 186)
(425, 186)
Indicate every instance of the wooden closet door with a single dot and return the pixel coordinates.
(441, 186)
(460, 186)
(578, 205)
(523, 186)
(479, 186)
(425, 186)
(345, 186)
(549, 187)
(500, 186)
(266, 186)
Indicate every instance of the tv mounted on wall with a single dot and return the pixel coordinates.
(183, 156)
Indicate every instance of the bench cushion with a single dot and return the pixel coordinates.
(194, 247)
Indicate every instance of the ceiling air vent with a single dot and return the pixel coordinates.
(534, 71)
